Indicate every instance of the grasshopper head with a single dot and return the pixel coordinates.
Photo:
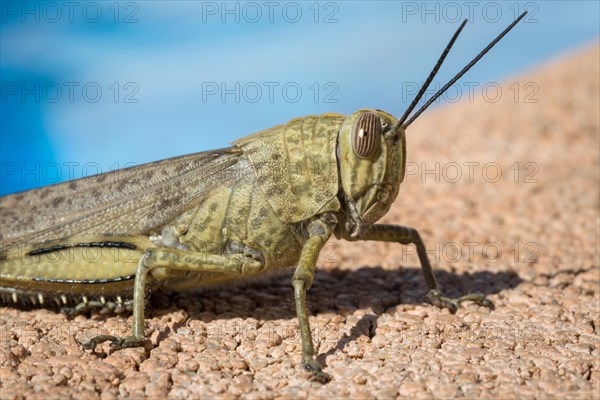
(372, 160)
(372, 149)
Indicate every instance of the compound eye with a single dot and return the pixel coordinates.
(366, 134)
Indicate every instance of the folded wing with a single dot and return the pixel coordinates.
(131, 201)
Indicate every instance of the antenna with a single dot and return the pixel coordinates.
(432, 74)
(462, 72)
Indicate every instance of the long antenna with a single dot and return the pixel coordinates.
(463, 71)
(432, 74)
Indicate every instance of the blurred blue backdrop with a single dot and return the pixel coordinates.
(92, 86)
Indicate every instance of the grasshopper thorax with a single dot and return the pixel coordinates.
(371, 157)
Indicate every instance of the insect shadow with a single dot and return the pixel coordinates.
(335, 291)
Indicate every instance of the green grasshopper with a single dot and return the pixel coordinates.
(270, 201)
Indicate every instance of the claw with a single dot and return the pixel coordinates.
(116, 342)
(95, 341)
(477, 298)
(316, 372)
(436, 298)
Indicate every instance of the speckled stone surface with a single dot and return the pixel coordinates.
(510, 209)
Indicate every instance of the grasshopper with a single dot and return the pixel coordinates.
(270, 201)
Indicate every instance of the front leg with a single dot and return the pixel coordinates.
(319, 232)
(405, 235)
(172, 260)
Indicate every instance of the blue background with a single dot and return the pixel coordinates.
(154, 62)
